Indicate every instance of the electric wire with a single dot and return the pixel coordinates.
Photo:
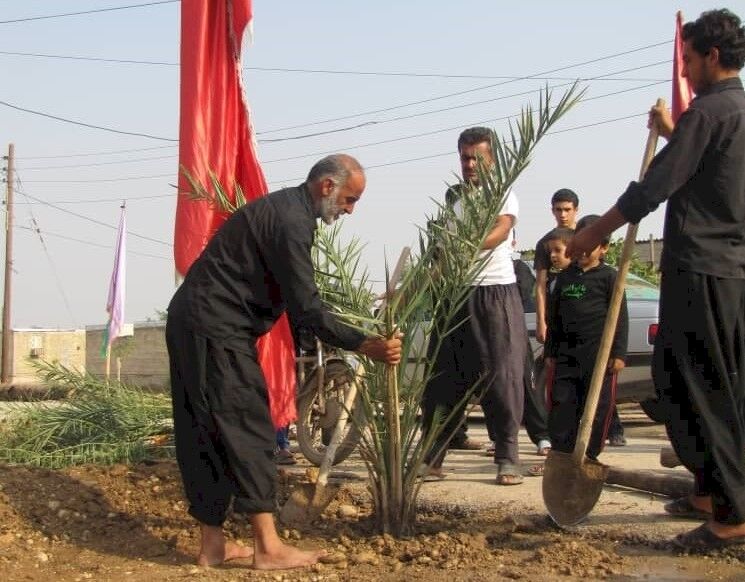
(466, 91)
(451, 152)
(95, 244)
(446, 129)
(83, 12)
(84, 124)
(52, 266)
(94, 164)
(360, 114)
(613, 93)
(96, 221)
(376, 143)
(318, 71)
(99, 153)
(442, 110)
(106, 200)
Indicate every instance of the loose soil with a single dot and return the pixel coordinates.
(130, 523)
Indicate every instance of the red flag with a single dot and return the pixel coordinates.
(682, 92)
(215, 135)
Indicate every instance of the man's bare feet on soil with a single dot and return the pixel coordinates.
(284, 557)
(215, 549)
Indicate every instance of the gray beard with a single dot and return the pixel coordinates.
(329, 210)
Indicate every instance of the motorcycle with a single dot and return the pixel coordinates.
(324, 378)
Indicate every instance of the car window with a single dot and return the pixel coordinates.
(638, 288)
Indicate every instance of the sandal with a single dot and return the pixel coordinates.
(543, 448)
(535, 471)
(685, 509)
(509, 474)
(702, 538)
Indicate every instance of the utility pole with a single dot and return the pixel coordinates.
(6, 364)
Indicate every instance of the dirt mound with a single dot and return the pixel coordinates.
(130, 523)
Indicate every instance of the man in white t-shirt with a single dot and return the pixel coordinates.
(492, 342)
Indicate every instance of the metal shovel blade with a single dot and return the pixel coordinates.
(306, 503)
(571, 489)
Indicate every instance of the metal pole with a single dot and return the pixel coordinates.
(6, 364)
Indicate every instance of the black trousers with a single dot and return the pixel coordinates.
(488, 348)
(224, 435)
(699, 373)
(535, 416)
(568, 394)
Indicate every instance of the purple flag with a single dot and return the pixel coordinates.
(115, 301)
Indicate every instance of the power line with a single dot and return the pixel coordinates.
(458, 93)
(451, 152)
(441, 110)
(94, 244)
(316, 71)
(357, 126)
(92, 164)
(100, 200)
(446, 129)
(96, 221)
(102, 153)
(55, 274)
(110, 9)
(381, 142)
(83, 124)
(304, 136)
(99, 180)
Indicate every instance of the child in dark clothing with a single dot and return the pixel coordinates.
(577, 307)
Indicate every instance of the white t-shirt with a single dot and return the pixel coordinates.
(498, 269)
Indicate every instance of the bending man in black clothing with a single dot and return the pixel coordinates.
(255, 267)
(699, 359)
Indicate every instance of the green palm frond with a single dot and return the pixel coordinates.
(97, 422)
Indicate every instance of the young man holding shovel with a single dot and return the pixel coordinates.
(255, 267)
(699, 359)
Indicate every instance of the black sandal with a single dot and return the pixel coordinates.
(683, 508)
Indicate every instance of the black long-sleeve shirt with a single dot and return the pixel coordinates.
(576, 312)
(256, 266)
(702, 172)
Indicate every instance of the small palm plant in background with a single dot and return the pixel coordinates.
(98, 421)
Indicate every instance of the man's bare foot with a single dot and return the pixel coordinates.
(283, 557)
(216, 550)
(725, 531)
(231, 551)
(700, 502)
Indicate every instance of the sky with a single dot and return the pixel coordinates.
(390, 82)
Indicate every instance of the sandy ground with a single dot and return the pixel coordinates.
(129, 523)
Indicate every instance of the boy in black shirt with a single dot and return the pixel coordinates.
(576, 310)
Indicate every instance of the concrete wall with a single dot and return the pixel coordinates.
(143, 356)
(67, 347)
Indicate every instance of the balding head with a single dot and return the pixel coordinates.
(335, 166)
(336, 183)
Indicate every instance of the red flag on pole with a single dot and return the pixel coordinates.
(682, 92)
(215, 135)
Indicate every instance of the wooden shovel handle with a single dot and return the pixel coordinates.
(611, 319)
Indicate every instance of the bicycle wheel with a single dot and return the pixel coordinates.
(315, 426)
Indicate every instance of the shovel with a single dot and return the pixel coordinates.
(572, 483)
(308, 501)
